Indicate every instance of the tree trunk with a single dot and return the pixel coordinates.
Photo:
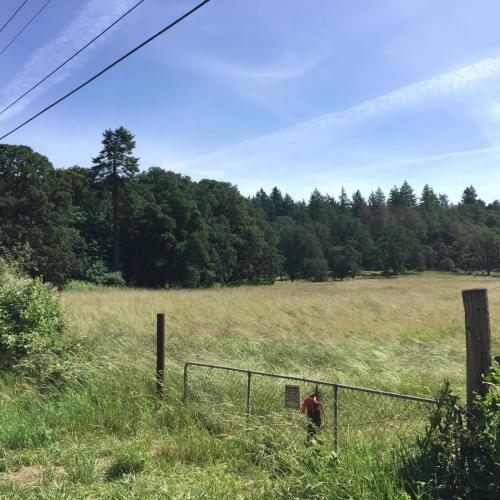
(116, 234)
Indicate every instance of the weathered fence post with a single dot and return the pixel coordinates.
(478, 343)
(160, 353)
(335, 417)
(249, 391)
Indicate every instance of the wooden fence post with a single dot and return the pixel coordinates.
(478, 343)
(160, 353)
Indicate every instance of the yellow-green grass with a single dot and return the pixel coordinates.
(404, 334)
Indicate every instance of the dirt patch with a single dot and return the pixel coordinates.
(103, 463)
(32, 475)
(27, 476)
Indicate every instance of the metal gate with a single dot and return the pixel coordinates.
(350, 414)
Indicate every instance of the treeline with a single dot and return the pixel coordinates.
(112, 224)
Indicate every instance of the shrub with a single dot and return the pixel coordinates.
(31, 317)
(459, 454)
(98, 274)
(114, 279)
(446, 264)
(80, 285)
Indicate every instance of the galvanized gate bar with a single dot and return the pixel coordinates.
(309, 381)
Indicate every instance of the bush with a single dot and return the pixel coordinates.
(446, 264)
(459, 454)
(114, 279)
(31, 333)
(31, 317)
(98, 274)
(80, 285)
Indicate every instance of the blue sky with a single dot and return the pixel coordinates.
(298, 94)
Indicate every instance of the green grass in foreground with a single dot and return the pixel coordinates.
(109, 437)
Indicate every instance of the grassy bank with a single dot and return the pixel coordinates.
(109, 437)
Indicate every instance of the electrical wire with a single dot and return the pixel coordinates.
(107, 68)
(16, 36)
(45, 78)
(13, 15)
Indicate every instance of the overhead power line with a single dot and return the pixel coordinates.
(45, 78)
(13, 15)
(16, 36)
(107, 68)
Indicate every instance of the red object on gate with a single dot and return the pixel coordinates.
(312, 408)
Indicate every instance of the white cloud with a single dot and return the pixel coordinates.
(284, 69)
(260, 83)
(94, 17)
(403, 97)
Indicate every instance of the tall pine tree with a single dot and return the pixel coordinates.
(114, 163)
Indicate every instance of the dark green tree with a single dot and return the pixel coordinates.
(115, 163)
(303, 256)
(343, 261)
(394, 197)
(318, 208)
(379, 214)
(407, 195)
(443, 200)
(276, 199)
(344, 204)
(36, 213)
(428, 199)
(359, 207)
(394, 249)
(484, 250)
(469, 196)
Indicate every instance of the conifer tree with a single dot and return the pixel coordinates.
(114, 163)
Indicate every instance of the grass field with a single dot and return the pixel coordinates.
(108, 436)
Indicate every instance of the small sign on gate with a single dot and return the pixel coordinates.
(292, 396)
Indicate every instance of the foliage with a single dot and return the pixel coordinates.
(98, 274)
(114, 163)
(161, 229)
(36, 212)
(303, 257)
(459, 455)
(30, 316)
(484, 250)
(80, 285)
(395, 249)
(446, 264)
(32, 328)
(344, 262)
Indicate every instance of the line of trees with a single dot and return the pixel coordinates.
(112, 224)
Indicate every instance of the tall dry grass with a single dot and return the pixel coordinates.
(400, 334)
(110, 437)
